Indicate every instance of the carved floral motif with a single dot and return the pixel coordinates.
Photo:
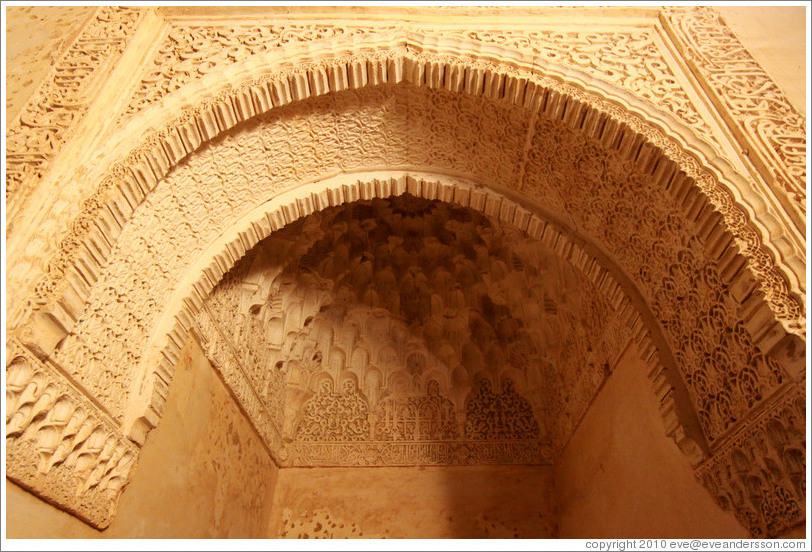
(190, 52)
(675, 246)
(502, 415)
(672, 262)
(335, 416)
(761, 474)
(428, 417)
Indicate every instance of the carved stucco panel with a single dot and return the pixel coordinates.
(286, 147)
(628, 59)
(774, 283)
(760, 475)
(50, 118)
(670, 262)
(765, 118)
(58, 444)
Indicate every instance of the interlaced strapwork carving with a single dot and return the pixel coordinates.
(48, 121)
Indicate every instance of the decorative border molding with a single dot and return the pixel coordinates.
(58, 444)
(192, 50)
(83, 252)
(427, 453)
(62, 100)
(762, 118)
(749, 240)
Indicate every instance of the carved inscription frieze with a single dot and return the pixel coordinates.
(58, 444)
(756, 105)
(49, 119)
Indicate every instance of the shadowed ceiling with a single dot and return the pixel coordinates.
(403, 321)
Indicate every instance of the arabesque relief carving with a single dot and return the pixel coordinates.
(775, 130)
(412, 360)
(176, 139)
(761, 474)
(333, 416)
(661, 238)
(699, 303)
(417, 417)
(190, 52)
(58, 444)
(505, 415)
(49, 119)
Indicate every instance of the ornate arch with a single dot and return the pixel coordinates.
(718, 234)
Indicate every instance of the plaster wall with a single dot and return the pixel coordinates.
(414, 502)
(203, 473)
(37, 35)
(621, 476)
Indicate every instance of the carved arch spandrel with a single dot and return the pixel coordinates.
(514, 164)
(661, 170)
(713, 470)
(587, 104)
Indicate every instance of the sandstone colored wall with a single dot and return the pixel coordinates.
(414, 502)
(620, 476)
(203, 473)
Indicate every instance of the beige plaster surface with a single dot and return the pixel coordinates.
(28, 517)
(36, 36)
(621, 477)
(203, 473)
(776, 38)
(414, 502)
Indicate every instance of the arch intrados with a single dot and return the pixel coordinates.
(596, 109)
(177, 320)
